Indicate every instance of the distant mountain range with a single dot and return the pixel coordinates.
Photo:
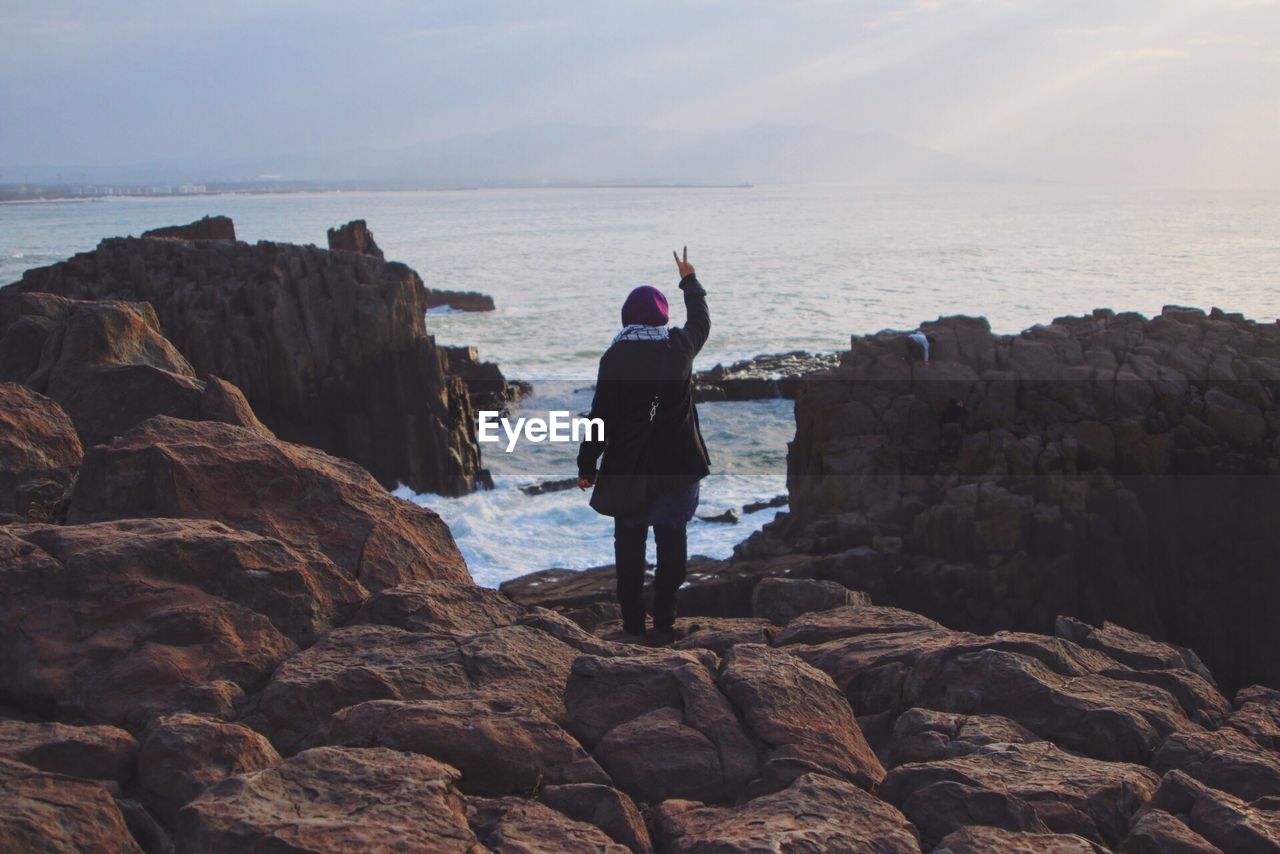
(573, 154)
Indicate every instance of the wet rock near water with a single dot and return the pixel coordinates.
(459, 300)
(762, 377)
(487, 388)
(728, 517)
(757, 506)
(546, 486)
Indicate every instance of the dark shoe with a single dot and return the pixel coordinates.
(634, 629)
(662, 635)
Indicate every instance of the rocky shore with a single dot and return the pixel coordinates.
(329, 346)
(215, 638)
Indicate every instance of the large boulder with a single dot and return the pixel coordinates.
(118, 622)
(40, 811)
(359, 663)
(980, 839)
(499, 747)
(91, 752)
(39, 456)
(107, 365)
(1067, 793)
(606, 808)
(209, 470)
(330, 348)
(516, 824)
(1109, 467)
(1257, 715)
(659, 725)
(814, 813)
(800, 716)
(1226, 759)
(182, 755)
(439, 606)
(1078, 697)
(332, 799)
(1186, 815)
(924, 735)
(779, 600)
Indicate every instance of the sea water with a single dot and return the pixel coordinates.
(791, 267)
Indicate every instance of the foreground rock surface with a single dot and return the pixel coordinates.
(347, 800)
(49, 812)
(230, 599)
(815, 813)
(304, 497)
(499, 748)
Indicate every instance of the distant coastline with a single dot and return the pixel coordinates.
(28, 193)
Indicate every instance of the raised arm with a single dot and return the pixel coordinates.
(698, 323)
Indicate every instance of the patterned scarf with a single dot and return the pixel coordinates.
(641, 332)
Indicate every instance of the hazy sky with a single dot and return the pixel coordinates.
(1166, 91)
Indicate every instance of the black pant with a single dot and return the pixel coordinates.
(628, 551)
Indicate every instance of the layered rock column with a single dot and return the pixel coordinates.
(1108, 467)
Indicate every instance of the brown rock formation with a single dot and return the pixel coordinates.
(49, 812)
(207, 628)
(330, 348)
(107, 365)
(304, 497)
(120, 621)
(359, 663)
(39, 456)
(1053, 788)
(1108, 467)
(499, 748)
(779, 600)
(352, 800)
(602, 806)
(1185, 815)
(439, 606)
(515, 824)
(182, 755)
(923, 735)
(815, 813)
(91, 752)
(355, 236)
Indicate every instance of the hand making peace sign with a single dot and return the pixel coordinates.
(682, 264)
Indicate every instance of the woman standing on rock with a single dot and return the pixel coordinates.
(654, 455)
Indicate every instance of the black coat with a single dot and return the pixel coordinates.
(632, 374)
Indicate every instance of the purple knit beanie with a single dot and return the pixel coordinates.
(646, 305)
